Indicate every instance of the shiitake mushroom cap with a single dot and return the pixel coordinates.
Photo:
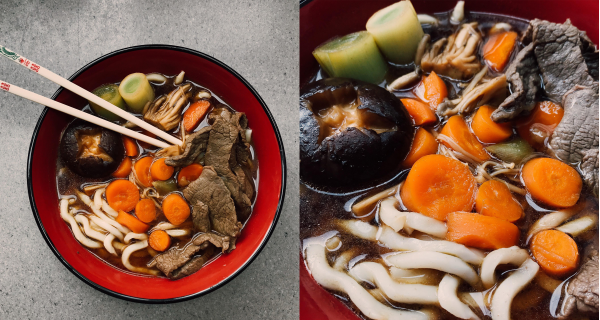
(91, 166)
(353, 155)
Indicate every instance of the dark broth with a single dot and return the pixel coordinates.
(319, 208)
(68, 183)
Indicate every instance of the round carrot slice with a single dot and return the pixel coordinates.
(456, 129)
(159, 240)
(552, 182)
(423, 144)
(189, 174)
(145, 210)
(122, 195)
(494, 199)
(175, 208)
(142, 171)
(555, 252)
(131, 222)
(540, 124)
(420, 113)
(124, 168)
(160, 170)
(437, 185)
(131, 148)
(486, 129)
(479, 231)
(432, 90)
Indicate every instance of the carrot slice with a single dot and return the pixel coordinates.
(555, 252)
(437, 185)
(486, 129)
(160, 171)
(540, 124)
(142, 171)
(423, 144)
(456, 129)
(175, 208)
(145, 210)
(122, 195)
(131, 148)
(131, 222)
(420, 113)
(432, 90)
(479, 231)
(124, 168)
(159, 240)
(189, 174)
(494, 199)
(194, 114)
(552, 182)
(498, 48)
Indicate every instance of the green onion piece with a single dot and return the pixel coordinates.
(352, 56)
(136, 91)
(512, 151)
(397, 31)
(110, 93)
(165, 187)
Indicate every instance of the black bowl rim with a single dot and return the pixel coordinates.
(304, 2)
(230, 277)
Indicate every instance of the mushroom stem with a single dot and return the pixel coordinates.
(403, 81)
(179, 78)
(458, 14)
(427, 19)
(421, 48)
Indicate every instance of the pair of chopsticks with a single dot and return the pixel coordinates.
(88, 96)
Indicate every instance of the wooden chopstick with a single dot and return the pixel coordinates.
(86, 94)
(80, 114)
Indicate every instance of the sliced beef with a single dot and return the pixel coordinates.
(195, 147)
(200, 216)
(523, 77)
(582, 292)
(589, 167)
(576, 136)
(176, 258)
(564, 57)
(194, 264)
(209, 191)
(558, 50)
(222, 152)
(243, 156)
(590, 54)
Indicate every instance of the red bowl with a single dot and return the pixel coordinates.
(222, 81)
(321, 20)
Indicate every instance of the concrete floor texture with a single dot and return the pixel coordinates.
(259, 39)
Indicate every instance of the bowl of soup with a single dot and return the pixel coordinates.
(447, 224)
(156, 225)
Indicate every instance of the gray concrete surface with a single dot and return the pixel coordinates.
(259, 39)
